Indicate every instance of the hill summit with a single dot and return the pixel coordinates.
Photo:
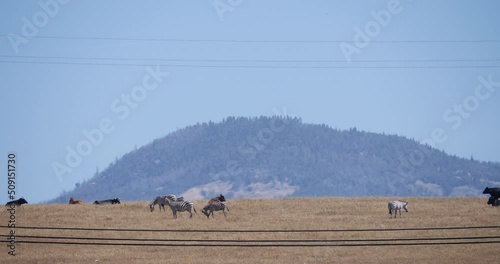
(273, 157)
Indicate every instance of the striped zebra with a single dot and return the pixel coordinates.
(215, 206)
(396, 206)
(181, 206)
(160, 201)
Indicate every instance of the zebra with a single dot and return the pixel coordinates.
(394, 206)
(215, 206)
(181, 206)
(160, 201)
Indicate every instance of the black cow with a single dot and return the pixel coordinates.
(109, 201)
(493, 201)
(494, 192)
(17, 202)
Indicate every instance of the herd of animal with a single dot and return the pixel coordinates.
(109, 201)
(178, 204)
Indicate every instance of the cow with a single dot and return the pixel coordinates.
(217, 199)
(17, 202)
(73, 201)
(109, 201)
(494, 192)
(493, 201)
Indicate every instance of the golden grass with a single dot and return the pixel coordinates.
(251, 214)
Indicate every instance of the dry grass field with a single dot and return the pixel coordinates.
(256, 214)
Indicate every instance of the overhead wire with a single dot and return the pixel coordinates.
(260, 243)
(244, 60)
(258, 240)
(256, 66)
(160, 39)
(264, 63)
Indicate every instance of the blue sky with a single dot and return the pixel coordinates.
(48, 103)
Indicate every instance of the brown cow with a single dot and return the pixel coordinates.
(217, 199)
(73, 201)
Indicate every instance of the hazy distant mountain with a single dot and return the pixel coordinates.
(280, 157)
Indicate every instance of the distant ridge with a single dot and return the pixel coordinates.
(272, 157)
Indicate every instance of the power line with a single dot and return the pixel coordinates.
(258, 245)
(245, 60)
(253, 66)
(252, 40)
(260, 240)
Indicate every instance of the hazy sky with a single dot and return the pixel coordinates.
(74, 70)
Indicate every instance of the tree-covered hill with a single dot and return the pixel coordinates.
(280, 157)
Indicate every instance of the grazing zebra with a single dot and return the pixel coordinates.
(160, 201)
(181, 206)
(396, 206)
(217, 199)
(216, 206)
